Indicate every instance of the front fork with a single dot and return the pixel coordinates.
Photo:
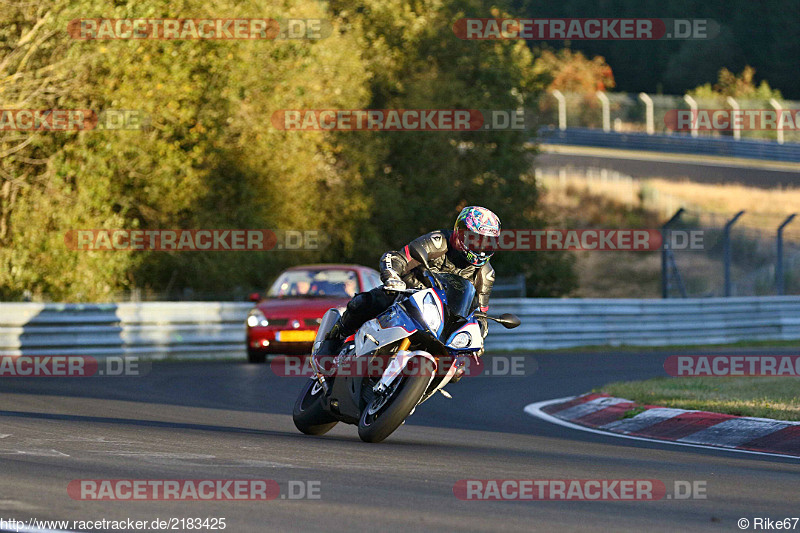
(319, 376)
(405, 344)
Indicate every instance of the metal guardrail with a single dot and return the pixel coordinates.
(563, 323)
(214, 329)
(509, 287)
(152, 329)
(677, 143)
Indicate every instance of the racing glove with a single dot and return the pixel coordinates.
(392, 281)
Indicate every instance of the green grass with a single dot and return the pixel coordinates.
(632, 348)
(768, 397)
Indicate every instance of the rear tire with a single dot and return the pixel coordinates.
(375, 427)
(309, 416)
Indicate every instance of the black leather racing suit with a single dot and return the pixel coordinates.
(442, 257)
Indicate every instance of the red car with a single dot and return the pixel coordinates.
(286, 322)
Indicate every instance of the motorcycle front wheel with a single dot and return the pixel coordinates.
(387, 411)
(308, 415)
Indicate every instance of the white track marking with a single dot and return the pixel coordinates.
(35, 452)
(16, 505)
(535, 409)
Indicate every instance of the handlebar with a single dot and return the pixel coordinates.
(401, 291)
(434, 280)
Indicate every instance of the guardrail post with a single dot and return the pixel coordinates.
(693, 107)
(648, 104)
(737, 131)
(603, 97)
(726, 246)
(779, 281)
(779, 124)
(665, 252)
(562, 109)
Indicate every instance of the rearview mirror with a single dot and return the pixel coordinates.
(254, 297)
(509, 321)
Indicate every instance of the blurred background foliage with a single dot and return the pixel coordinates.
(759, 34)
(212, 159)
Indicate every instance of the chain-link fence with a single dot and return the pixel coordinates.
(699, 270)
(742, 261)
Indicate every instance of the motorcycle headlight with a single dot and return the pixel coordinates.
(256, 318)
(462, 340)
(430, 313)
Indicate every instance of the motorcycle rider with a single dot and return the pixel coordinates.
(449, 251)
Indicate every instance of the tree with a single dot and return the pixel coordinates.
(210, 157)
(573, 72)
(426, 178)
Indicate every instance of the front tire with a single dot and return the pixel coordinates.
(379, 421)
(308, 415)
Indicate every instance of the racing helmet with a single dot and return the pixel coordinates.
(472, 227)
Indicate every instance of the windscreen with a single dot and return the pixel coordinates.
(315, 284)
(459, 292)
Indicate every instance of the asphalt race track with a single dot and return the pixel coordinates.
(232, 420)
(643, 168)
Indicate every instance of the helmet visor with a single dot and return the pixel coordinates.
(478, 248)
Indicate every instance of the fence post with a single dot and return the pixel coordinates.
(562, 109)
(648, 104)
(779, 282)
(665, 251)
(737, 131)
(726, 246)
(603, 97)
(779, 110)
(693, 107)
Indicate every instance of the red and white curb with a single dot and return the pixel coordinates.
(603, 414)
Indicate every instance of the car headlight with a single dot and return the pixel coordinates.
(430, 313)
(256, 318)
(462, 340)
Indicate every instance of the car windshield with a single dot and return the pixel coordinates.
(315, 283)
(459, 292)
